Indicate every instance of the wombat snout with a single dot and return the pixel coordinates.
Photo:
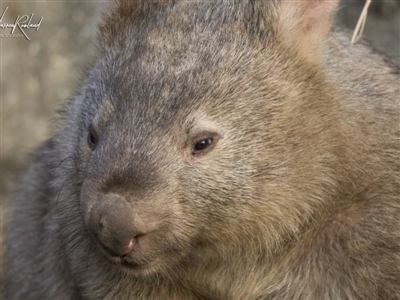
(111, 222)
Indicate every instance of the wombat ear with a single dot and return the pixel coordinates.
(305, 24)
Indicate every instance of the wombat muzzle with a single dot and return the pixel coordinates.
(111, 222)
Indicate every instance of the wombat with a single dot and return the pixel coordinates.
(217, 150)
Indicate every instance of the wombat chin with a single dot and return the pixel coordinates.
(156, 266)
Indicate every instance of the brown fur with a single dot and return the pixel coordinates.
(297, 198)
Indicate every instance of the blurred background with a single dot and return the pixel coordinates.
(38, 75)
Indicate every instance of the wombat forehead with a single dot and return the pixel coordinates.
(151, 92)
(154, 87)
(173, 16)
(180, 37)
(168, 66)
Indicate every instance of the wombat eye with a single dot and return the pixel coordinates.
(201, 146)
(92, 137)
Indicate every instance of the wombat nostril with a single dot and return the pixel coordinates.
(138, 236)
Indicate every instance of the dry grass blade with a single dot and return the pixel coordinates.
(361, 23)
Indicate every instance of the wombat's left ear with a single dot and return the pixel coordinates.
(305, 24)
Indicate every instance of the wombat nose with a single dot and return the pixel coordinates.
(111, 222)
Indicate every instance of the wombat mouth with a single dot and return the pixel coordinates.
(134, 261)
(128, 264)
(122, 261)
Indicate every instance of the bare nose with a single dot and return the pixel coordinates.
(111, 221)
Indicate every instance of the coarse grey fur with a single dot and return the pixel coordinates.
(297, 198)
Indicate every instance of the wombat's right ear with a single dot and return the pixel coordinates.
(305, 24)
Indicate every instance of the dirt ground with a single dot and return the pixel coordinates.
(37, 75)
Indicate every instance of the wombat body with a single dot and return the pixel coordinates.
(217, 150)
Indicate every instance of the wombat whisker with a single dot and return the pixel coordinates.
(62, 161)
(78, 242)
(59, 192)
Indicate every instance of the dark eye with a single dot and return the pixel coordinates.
(201, 146)
(93, 138)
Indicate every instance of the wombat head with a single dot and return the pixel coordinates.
(204, 129)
